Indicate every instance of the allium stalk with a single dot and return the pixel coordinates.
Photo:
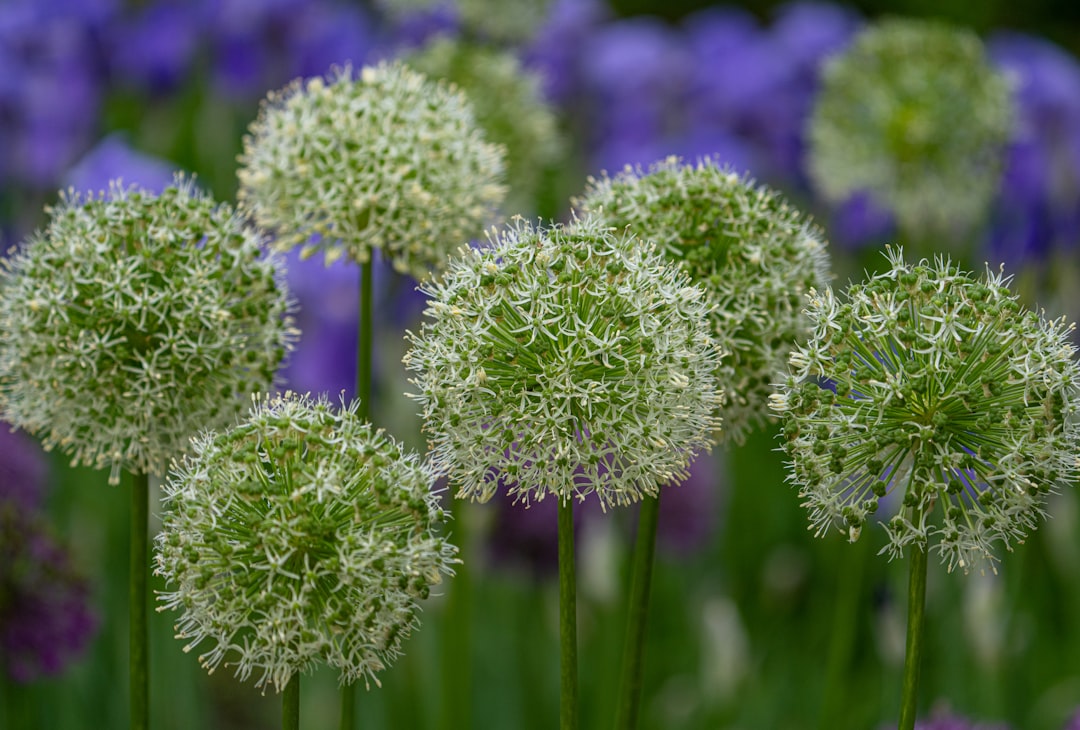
(380, 159)
(934, 387)
(301, 535)
(132, 321)
(914, 114)
(565, 362)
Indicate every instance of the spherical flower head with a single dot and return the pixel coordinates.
(382, 159)
(301, 535)
(565, 361)
(133, 320)
(754, 254)
(939, 386)
(508, 105)
(914, 114)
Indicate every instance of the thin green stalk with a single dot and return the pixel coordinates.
(568, 684)
(456, 640)
(633, 663)
(915, 621)
(842, 641)
(290, 704)
(138, 566)
(363, 410)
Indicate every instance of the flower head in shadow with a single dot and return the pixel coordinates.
(133, 320)
(930, 381)
(565, 361)
(301, 535)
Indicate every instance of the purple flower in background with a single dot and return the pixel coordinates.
(690, 512)
(45, 621)
(22, 470)
(154, 48)
(1074, 722)
(44, 617)
(561, 45)
(1038, 207)
(859, 222)
(114, 159)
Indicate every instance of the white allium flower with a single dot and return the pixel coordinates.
(134, 320)
(565, 361)
(914, 114)
(509, 108)
(301, 535)
(754, 254)
(937, 384)
(382, 159)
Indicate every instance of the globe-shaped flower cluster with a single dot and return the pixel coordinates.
(384, 159)
(565, 361)
(509, 108)
(301, 535)
(913, 114)
(937, 387)
(754, 254)
(133, 320)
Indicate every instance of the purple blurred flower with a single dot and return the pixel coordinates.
(561, 45)
(22, 470)
(1074, 722)
(859, 222)
(526, 538)
(155, 48)
(45, 621)
(113, 158)
(1038, 208)
(943, 719)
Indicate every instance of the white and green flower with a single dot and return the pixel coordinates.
(383, 159)
(301, 535)
(134, 320)
(936, 386)
(565, 361)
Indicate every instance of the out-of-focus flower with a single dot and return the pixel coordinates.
(155, 47)
(134, 320)
(22, 470)
(914, 114)
(1037, 210)
(755, 256)
(510, 21)
(565, 361)
(114, 159)
(944, 719)
(385, 159)
(301, 535)
(45, 621)
(508, 108)
(929, 381)
(560, 46)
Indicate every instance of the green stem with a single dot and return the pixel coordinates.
(348, 706)
(913, 653)
(290, 704)
(138, 658)
(363, 411)
(456, 643)
(568, 685)
(633, 664)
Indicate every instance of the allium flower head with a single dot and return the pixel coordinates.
(133, 320)
(382, 159)
(568, 361)
(508, 105)
(754, 254)
(914, 114)
(300, 535)
(939, 385)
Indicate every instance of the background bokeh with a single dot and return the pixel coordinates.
(754, 623)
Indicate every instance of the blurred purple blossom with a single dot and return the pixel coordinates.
(23, 470)
(557, 51)
(156, 46)
(45, 621)
(114, 159)
(1038, 208)
(1074, 722)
